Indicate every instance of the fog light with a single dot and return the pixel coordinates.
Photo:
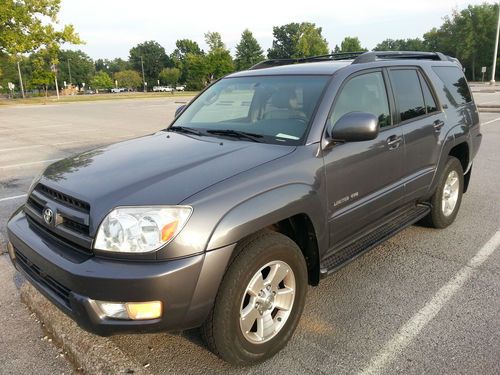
(131, 310)
(10, 249)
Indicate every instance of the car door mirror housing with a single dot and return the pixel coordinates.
(355, 127)
(179, 110)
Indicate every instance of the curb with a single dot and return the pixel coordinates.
(489, 109)
(89, 353)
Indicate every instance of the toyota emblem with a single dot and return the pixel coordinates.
(48, 215)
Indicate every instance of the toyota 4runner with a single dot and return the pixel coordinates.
(269, 180)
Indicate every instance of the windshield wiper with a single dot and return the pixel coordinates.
(237, 134)
(184, 129)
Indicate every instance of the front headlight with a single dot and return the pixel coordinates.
(140, 229)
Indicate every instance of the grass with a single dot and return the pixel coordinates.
(95, 97)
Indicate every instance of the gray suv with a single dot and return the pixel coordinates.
(268, 181)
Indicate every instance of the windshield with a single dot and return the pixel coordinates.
(276, 109)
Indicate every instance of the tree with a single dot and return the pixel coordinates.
(184, 47)
(170, 76)
(129, 79)
(78, 63)
(154, 59)
(311, 42)
(248, 51)
(112, 66)
(197, 71)
(297, 40)
(27, 25)
(41, 75)
(102, 81)
(350, 44)
(415, 44)
(214, 41)
(218, 60)
(285, 41)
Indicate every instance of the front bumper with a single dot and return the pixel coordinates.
(186, 287)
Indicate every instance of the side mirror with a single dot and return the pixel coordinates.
(179, 110)
(355, 127)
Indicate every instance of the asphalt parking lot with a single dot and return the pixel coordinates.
(426, 301)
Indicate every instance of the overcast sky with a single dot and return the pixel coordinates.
(111, 27)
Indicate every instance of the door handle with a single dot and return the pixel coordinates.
(438, 124)
(394, 141)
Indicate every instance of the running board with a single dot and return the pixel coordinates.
(343, 256)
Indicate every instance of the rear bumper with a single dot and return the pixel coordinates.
(186, 287)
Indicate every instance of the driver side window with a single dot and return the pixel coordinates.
(363, 93)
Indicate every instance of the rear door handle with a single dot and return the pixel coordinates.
(438, 124)
(394, 141)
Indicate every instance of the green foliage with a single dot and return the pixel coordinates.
(81, 66)
(112, 66)
(170, 76)
(184, 47)
(129, 79)
(415, 44)
(297, 40)
(468, 35)
(248, 51)
(218, 61)
(154, 58)
(285, 41)
(214, 41)
(311, 42)
(197, 71)
(102, 81)
(350, 44)
(27, 25)
(41, 76)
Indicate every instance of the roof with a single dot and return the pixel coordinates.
(320, 68)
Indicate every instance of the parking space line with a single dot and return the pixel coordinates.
(20, 148)
(30, 163)
(489, 122)
(11, 198)
(412, 328)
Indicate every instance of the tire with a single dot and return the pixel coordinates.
(441, 215)
(230, 337)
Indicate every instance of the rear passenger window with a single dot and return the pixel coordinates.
(408, 93)
(430, 103)
(455, 84)
(363, 93)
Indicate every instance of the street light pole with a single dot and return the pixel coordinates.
(20, 78)
(143, 79)
(496, 50)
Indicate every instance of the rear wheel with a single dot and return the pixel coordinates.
(448, 196)
(260, 300)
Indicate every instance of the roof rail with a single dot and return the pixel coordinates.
(393, 55)
(330, 57)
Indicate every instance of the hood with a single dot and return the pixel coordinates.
(163, 168)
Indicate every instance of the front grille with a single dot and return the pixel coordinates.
(63, 198)
(70, 226)
(60, 291)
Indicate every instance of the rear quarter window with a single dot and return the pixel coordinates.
(455, 85)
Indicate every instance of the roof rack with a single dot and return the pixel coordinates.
(393, 55)
(330, 57)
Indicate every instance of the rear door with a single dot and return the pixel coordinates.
(363, 178)
(422, 122)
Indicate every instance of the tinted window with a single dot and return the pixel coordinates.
(455, 84)
(408, 93)
(278, 108)
(430, 103)
(363, 93)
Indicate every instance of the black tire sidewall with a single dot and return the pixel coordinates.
(238, 276)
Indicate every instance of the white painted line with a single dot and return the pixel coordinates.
(489, 122)
(412, 327)
(14, 197)
(24, 164)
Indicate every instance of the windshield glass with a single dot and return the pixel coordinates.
(275, 108)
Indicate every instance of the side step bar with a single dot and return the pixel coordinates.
(343, 256)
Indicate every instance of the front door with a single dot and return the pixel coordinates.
(363, 178)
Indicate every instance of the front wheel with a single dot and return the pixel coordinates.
(260, 300)
(448, 195)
